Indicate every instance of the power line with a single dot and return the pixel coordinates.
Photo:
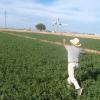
(5, 16)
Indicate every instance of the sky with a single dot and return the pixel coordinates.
(74, 15)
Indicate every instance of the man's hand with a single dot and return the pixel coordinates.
(64, 42)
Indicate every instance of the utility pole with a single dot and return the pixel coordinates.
(5, 16)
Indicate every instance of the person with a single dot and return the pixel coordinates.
(74, 52)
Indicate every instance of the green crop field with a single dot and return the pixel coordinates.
(33, 70)
(87, 43)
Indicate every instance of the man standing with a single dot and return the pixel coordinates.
(74, 52)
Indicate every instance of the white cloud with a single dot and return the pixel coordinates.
(60, 8)
(67, 10)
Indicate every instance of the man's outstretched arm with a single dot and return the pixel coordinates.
(92, 51)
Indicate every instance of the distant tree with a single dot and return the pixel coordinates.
(40, 27)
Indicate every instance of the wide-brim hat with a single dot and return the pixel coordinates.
(75, 42)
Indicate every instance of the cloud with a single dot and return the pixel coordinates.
(71, 11)
(80, 11)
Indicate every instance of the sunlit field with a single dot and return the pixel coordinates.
(33, 70)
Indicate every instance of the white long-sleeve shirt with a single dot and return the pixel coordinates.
(74, 53)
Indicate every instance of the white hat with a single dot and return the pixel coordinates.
(76, 42)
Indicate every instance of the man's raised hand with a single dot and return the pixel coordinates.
(64, 42)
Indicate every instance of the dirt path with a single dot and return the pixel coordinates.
(91, 36)
(51, 42)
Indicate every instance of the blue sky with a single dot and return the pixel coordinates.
(75, 15)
